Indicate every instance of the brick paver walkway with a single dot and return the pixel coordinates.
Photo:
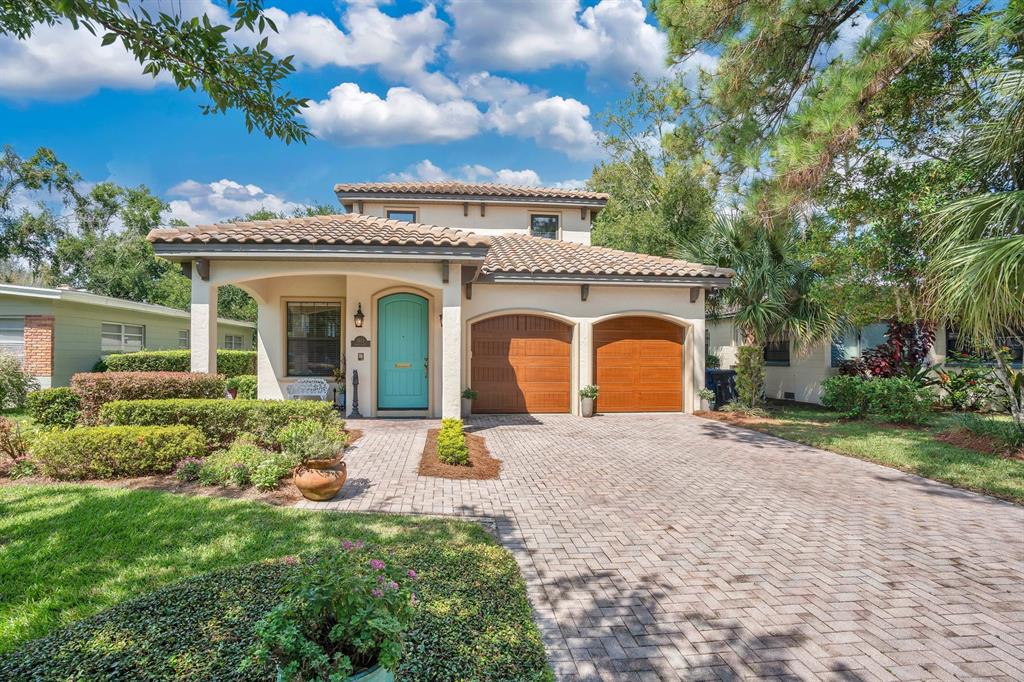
(666, 546)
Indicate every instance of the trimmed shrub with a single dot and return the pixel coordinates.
(309, 439)
(15, 383)
(187, 470)
(451, 443)
(846, 395)
(230, 363)
(246, 463)
(57, 407)
(115, 451)
(899, 400)
(221, 421)
(245, 385)
(749, 375)
(96, 389)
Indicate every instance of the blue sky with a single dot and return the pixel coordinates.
(469, 89)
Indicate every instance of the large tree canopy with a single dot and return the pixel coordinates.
(194, 50)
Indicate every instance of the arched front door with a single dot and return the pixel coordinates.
(403, 363)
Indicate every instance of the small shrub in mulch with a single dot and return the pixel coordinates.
(963, 438)
(481, 465)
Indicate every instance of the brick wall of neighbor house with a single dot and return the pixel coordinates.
(39, 345)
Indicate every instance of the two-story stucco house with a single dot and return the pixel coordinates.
(424, 289)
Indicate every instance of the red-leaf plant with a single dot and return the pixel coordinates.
(904, 350)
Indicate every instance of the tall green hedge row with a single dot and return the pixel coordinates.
(96, 388)
(115, 451)
(230, 363)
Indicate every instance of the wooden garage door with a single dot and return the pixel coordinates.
(520, 363)
(638, 365)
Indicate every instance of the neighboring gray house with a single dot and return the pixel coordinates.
(58, 332)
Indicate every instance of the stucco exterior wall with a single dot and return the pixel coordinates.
(497, 219)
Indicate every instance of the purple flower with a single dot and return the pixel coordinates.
(412, 574)
(290, 560)
(360, 544)
(377, 564)
(381, 578)
(347, 545)
(377, 592)
(393, 585)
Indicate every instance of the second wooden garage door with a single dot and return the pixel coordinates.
(638, 365)
(521, 363)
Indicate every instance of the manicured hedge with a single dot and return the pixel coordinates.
(451, 443)
(890, 399)
(221, 421)
(59, 407)
(230, 363)
(115, 451)
(97, 388)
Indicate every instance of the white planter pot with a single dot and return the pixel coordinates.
(587, 407)
(467, 407)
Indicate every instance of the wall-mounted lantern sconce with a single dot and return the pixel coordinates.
(359, 317)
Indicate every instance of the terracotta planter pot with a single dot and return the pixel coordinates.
(320, 479)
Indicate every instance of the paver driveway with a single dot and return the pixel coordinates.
(672, 547)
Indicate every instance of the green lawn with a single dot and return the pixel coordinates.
(70, 551)
(908, 449)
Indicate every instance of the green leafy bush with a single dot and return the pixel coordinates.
(230, 363)
(187, 470)
(15, 383)
(970, 385)
(22, 468)
(98, 388)
(899, 400)
(246, 463)
(58, 407)
(1004, 432)
(846, 395)
(451, 443)
(590, 391)
(749, 375)
(308, 439)
(115, 451)
(221, 421)
(345, 612)
(245, 385)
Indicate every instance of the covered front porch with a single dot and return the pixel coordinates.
(392, 329)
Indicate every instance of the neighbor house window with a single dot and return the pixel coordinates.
(183, 338)
(404, 215)
(122, 338)
(314, 338)
(233, 342)
(776, 353)
(544, 226)
(957, 345)
(12, 336)
(853, 343)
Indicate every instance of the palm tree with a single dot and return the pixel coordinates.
(977, 273)
(770, 297)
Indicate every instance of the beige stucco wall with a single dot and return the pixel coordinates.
(807, 369)
(497, 218)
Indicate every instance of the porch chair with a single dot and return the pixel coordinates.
(308, 388)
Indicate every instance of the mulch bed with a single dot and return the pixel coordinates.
(481, 465)
(971, 441)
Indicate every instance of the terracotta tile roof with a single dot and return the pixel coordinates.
(514, 253)
(467, 189)
(342, 229)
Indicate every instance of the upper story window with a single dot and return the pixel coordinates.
(544, 226)
(122, 338)
(777, 353)
(405, 215)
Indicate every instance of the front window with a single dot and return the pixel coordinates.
(314, 338)
(545, 226)
(776, 353)
(956, 345)
(184, 338)
(122, 338)
(852, 343)
(12, 336)
(405, 215)
(233, 342)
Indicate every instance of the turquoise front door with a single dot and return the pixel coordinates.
(402, 352)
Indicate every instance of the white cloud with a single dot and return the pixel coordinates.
(203, 203)
(611, 38)
(403, 116)
(427, 171)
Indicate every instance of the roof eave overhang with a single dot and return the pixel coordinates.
(719, 282)
(177, 251)
(472, 198)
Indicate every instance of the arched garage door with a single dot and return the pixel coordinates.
(638, 365)
(520, 363)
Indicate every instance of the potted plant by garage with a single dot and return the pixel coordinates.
(707, 399)
(587, 396)
(343, 618)
(318, 451)
(468, 396)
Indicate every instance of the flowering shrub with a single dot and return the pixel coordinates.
(970, 386)
(187, 470)
(15, 383)
(346, 612)
(98, 388)
(230, 363)
(451, 443)
(246, 463)
(57, 407)
(308, 439)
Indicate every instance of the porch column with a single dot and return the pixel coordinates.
(451, 346)
(696, 365)
(204, 324)
(586, 362)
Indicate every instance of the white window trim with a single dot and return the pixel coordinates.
(228, 344)
(122, 325)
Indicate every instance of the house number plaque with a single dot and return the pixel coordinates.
(360, 342)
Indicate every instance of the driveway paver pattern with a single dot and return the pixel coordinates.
(673, 547)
